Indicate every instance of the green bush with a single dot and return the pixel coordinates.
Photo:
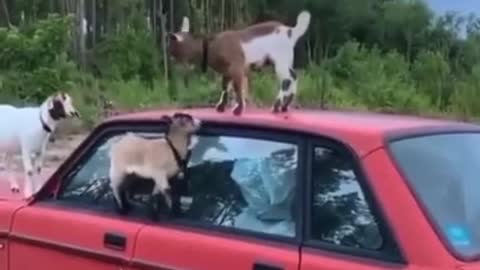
(126, 55)
(376, 80)
(33, 59)
(433, 76)
(464, 100)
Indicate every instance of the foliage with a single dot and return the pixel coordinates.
(127, 55)
(130, 52)
(388, 55)
(34, 60)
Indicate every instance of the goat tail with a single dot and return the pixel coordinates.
(303, 22)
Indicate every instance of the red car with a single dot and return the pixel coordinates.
(300, 191)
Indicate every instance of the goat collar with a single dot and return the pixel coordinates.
(181, 163)
(204, 54)
(44, 124)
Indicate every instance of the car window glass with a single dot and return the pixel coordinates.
(88, 183)
(232, 182)
(442, 171)
(340, 213)
(243, 183)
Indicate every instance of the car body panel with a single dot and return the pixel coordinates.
(7, 212)
(313, 259)
(208, 251)
(404, 213)
(72, 238)
(69, 238)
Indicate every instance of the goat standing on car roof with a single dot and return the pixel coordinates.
(159, 159)
(27, 130)
(232, 53)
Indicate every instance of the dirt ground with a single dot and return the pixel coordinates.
(56, 153)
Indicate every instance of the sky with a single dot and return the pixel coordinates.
(462, 6)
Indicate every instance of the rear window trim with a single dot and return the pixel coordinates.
(420, 133)
(408, 133)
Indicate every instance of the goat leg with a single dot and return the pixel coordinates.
(121, 202)
(276, 105)
(160, 195)
(118, 189)
(238, 83)
(288, 88)
(40, 158)
(287, 100)
(222, 102)
(11, 177)
(290, 91)
(28, 169)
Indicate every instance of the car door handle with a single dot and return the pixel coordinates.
(265, 266)
(114, 241)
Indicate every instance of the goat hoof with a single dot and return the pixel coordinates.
(238, 110)
(276, 106)
(220, 108)
(15, 189)
(284, 109)
(275, 109)
(122, 210)
(154, 216)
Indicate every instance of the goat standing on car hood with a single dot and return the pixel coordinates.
(232, 53)
(27, 131)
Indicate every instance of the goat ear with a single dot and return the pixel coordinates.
(175, 37)
(51, 100)
(50, 103)
(185, 25)
(167, 119)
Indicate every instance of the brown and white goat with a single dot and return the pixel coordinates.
(232, 53)
(158, 159)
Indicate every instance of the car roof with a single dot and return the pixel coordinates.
(362, 131)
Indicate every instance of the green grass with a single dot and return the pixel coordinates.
(316, 88)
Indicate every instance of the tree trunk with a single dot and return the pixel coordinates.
(6, 13)
(106, 17)
(94, 22)
(208, 17)
(154, 22)
(163, 23)
(172, 15)
(222, 18)
(62, 7)
(81, 33)
(51, 6)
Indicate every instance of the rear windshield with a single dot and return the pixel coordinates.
(444, 171)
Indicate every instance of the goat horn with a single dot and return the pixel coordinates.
(185, 25)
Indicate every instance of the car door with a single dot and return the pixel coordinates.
(7, 210)
(344, 229)
(240, 208)
(53, 237)
(79, 228)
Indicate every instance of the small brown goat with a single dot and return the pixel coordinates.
(232, 53)
(158, 159)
